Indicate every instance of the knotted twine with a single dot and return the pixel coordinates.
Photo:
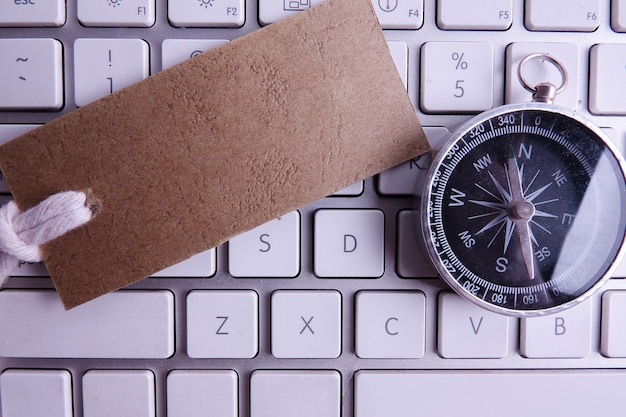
(21, 233)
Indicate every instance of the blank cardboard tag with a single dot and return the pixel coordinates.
(215, 146)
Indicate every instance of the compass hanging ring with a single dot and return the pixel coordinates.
(544, 92)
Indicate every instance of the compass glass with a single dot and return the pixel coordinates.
(524, 209)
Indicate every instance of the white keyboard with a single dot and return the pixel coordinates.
(331, 310)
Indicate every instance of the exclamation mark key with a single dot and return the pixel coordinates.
(32, 75)
(104, 66)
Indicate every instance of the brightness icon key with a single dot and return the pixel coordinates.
(116, 13)
(207, 13)
(32, 78)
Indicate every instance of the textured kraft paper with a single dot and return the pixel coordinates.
(194, 155)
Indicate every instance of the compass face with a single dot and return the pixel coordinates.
(524, 210)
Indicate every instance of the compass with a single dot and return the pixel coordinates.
(524, 210)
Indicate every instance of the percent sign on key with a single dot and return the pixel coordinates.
(458, 58)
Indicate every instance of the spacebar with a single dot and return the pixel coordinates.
(124, 324)
(489, 393)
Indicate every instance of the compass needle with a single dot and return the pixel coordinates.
(521, 211)
(527, 248)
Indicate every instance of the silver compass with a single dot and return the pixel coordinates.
(524, 210)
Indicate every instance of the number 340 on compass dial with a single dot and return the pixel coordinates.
(524, 210)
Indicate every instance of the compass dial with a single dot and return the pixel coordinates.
(524, 210)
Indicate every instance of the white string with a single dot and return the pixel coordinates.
(22, 233)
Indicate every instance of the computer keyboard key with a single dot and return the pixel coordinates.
(618, 15)
(482, 393)
(412, 260)
(31, 74)
(269, 250)
(349, 243)
(607, 74)
(7, 133)
(613, 339)
(566, 334)
(353, 190)
(400, 14)
(175, 51)
(30, 269)
(222, 324)
(474, 15)
(271, 11)
(124, 324)
(390, 324)
(36, 393)
(400, 55)
(468, 331)
(206, 13)
(306, 324)
(304, 393)
(17, 13)
(537, 71)
(407, 179)
(121, 13)
(620, 143)
(201, 265)
(456, 77)
(202, 393)
(562, 15)
(104, 66)
(108, 393)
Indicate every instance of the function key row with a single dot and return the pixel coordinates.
(539, 15)
(123, 13)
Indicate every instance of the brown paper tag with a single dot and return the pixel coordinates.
(218, 145)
